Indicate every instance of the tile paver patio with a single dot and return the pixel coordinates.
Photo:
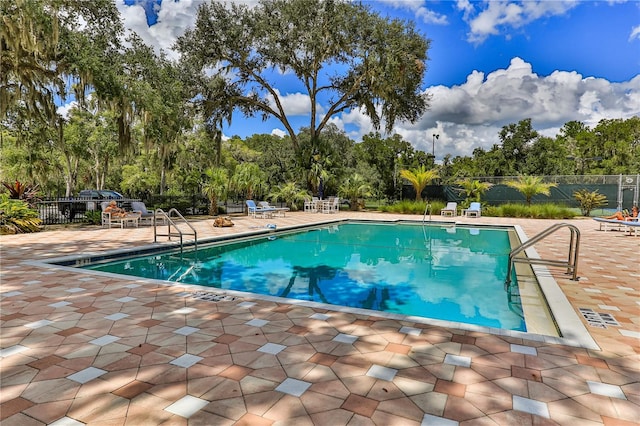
(89, 349)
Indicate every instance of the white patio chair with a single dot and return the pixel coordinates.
(311, 206)
(331, 205)
(474, 210)
(450, 210)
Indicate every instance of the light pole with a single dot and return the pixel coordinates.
(433, 146)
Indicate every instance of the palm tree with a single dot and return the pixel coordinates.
(530, 186)
(473, 189)
(317, 176)
(215, 187)
(589, 200)
(290, 193)
(419, 178)
(354, 189)
(248, 177)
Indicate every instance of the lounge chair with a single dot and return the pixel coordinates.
(146, 217)
(609, 224)
(450, 210)
(280, 211)
(254, 210)
(474, 210)
(633, 226)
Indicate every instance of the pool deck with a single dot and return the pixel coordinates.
(80, 348)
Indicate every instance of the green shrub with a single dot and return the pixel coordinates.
(412, 207)
(375, 204)
(535, 211)
(436, 206)
(17, 218)
(494, 211)
(518, 210)
(93, 217)
(514, 210)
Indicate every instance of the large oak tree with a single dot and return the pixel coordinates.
(343, 55)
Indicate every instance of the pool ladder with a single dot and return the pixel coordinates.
(168, 217)
(572, 260)
(514, 301)
(427, 208)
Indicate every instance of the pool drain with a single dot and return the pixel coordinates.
(598, 319)
(212, 297)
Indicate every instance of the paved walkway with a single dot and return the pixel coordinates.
(85, 349)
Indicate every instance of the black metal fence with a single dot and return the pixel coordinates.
(74, 210)
(84, 210)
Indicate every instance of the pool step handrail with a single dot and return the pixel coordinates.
(168, 217)
(572, 260)
(427, 208)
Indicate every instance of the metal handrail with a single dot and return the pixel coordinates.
(572, 259)
(178, 232)
(427, 208)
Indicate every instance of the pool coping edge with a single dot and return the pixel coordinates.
(573, 331)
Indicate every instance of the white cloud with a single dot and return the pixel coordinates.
(354, 123)
(471, 115)
(499, 15)
(465, 6)
(279, 132)
(468, 115)
(173, 19)
(417, 7)
(294, 103)
(63, 110)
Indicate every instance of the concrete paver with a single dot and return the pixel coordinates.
(96, 350)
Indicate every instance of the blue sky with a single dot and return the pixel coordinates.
(491, 63)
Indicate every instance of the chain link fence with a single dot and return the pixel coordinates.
(622, 191)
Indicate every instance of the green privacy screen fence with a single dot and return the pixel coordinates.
(621, 190)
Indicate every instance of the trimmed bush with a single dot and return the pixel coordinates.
(535, 211)
(413, 207)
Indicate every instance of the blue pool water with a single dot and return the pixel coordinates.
(448, 273)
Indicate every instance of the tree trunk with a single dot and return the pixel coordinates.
(163, 178)
(70, 175)
(213, 206)
(218, 140)
(96, 167)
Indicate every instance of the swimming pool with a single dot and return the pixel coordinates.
(452, 273)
